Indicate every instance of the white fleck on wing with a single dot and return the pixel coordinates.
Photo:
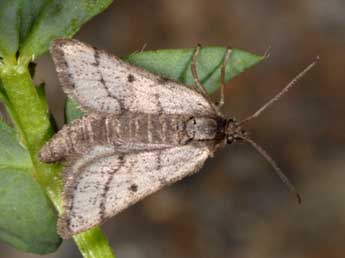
(102, 82)
(103, 182)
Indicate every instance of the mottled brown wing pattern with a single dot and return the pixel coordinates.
(105, 181)
(101, 82)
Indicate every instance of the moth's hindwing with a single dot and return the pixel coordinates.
(101, 82)
(104, 182)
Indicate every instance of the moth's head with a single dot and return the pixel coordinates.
(234, 131)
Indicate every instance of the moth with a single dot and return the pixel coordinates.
(141, 132)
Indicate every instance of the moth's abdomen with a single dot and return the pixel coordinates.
(56, 149)
(151, 129)
(50, 153)
(130, 130)
(74, 138)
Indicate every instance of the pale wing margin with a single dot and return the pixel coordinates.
(102, 82)
(104, 182)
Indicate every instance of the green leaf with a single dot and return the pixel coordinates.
(175, 64)
(30, 25)
(72, 111)
(27, 220)
(12, 155)
(59, 19)
(29, 11)
(9, 28)
(16, 20)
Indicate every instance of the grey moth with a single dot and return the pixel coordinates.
(141, 132)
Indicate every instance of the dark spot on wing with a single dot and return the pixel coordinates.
(130, 78)
(133, 188)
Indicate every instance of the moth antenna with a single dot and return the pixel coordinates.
(267, 53)
(292, 83)
(278, 171)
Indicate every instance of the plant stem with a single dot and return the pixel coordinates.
(31, 119)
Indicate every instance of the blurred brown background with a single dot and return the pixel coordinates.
(236, 206)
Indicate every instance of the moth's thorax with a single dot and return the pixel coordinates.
(202, 128)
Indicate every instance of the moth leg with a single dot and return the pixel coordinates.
(197, 82)
(200, 88)
(222, 77)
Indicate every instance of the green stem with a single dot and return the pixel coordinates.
(31, 119)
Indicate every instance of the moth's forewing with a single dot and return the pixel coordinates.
(101, 82)
(104, 182)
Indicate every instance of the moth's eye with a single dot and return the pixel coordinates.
(230, 140)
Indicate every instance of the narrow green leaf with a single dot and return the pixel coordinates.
(93, 244)
(59, 19)
(175, 64)
(27, 220)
